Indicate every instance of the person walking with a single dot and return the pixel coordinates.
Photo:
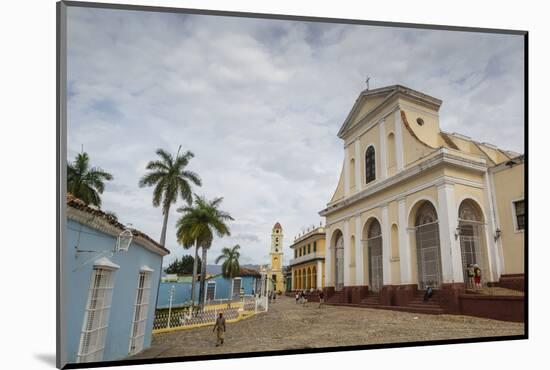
(219, 328)
(297, 297)
(321, 298)
(305, 298)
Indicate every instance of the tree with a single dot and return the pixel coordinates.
(183, 266)
(85, 182)
(230, 265)
(170, 179)
(198, 225)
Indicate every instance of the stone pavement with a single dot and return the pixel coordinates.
(290, 326)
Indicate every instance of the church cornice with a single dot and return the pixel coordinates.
(442, 156)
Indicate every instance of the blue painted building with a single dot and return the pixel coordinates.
(217, 288)
(109, 284)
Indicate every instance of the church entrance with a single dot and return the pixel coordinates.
(473, 251)
(374, 245)
(427, 247)
(339, 263)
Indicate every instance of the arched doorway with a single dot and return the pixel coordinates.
(374, 246)
(471, 231)
(339, 263)
(427, 246)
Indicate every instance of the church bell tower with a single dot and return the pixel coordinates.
(276, 255)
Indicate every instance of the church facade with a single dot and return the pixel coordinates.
(415, 206)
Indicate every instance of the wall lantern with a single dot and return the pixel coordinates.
(497, 234)
(124, 240)
(457, 232)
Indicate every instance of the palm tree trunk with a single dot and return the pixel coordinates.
(203, 277)
(195, 265)
(164, 224)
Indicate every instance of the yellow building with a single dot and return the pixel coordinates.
(308, 264)
(415, 205)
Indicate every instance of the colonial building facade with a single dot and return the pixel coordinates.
(414, 206)
(308, 264)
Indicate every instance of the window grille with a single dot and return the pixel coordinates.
(427, 247)
(140, 313)
(210, 290)
(339, 263)
(376, 280)
(96, 316)
(473, 249)
(236, 289)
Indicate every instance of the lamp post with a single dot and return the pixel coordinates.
(170, 303)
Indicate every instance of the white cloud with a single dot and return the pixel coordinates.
(259, 102)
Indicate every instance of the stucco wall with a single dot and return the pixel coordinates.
(509, 186)
(182, 291)
(76, 283)
(429, 131)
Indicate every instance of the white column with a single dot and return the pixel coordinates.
(319, 274)
(292, 287)
(358, 161)
(494, 248)
(347, 258)
(382, 149)
(404, 248)
(448, 221)
(347, 184)
(398, 140)
(328, 258)
(359, 278)
(386, 252)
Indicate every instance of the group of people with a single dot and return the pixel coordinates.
(302, 297)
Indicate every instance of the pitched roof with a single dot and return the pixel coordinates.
(248, 272)
(80, 205)
(277, 226)
(388, 92)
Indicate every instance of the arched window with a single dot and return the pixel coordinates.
(370, 165)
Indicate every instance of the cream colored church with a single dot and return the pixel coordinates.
(414, 206)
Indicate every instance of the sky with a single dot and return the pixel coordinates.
(259, 103)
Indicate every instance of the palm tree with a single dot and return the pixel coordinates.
(189, 232)
(85, 182)
(198, 225)
(170, 179)
(230, 265)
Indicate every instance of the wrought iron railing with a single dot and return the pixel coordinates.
(183, 317)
